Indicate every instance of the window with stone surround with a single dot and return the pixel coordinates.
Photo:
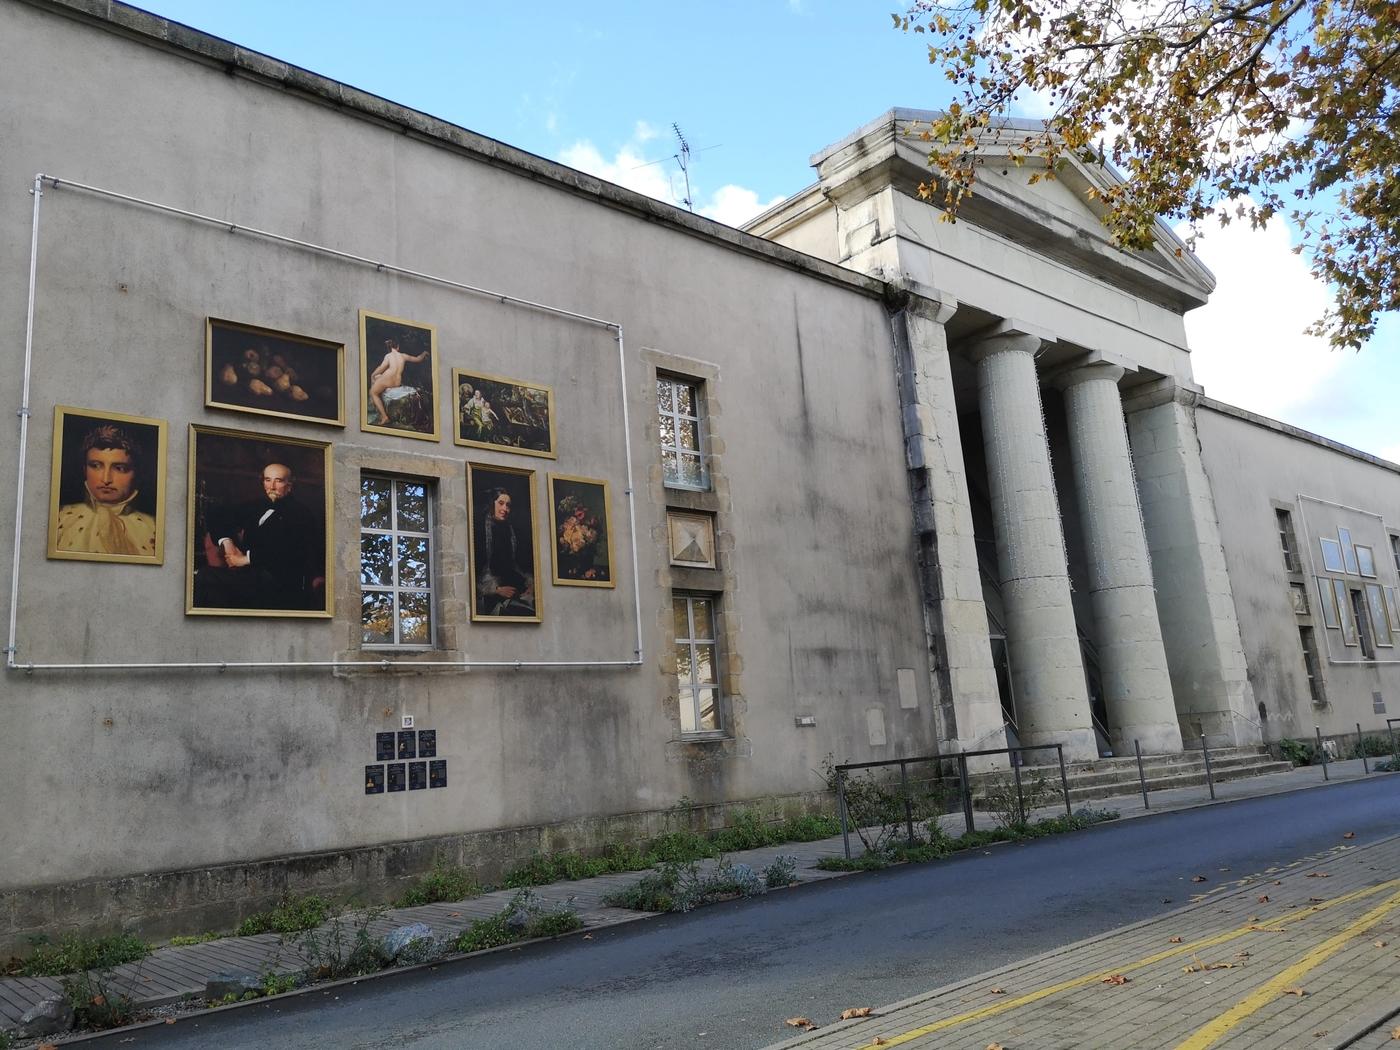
(681, 421)
(1287, 540)
(1311, 665)
(697, 662)
(396, 562)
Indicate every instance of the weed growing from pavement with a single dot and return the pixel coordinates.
(442, 883)
(292, 914)
(76, 952)
(342, 947)
(682, 887)
(198, 938)
(524, 918)
(940, 845)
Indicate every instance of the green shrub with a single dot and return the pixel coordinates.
(292, 914)
(865, 862)
(96, 1003)
(681, 847)
(440, 884)
(654, 891)
(1297, 752)
(75, 953)
(198, 938)
(1372, 746)
(682, 887)
(524, 918)
(277, 983)
(781, 872)
(342, 947)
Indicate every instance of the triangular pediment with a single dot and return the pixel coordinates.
(1053, 216)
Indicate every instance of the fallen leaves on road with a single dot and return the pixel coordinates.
(1263, 898)
(1349, 835)
(995, 1046)
(804, 1023)
(1381, 944)
(877, 1041)
(1319, 875)
(1173, 940)
(1166, 900)
(1116, 978)
(1294, 991)
(1199, 878)
(998, 991)
(1242, 955)
(855, 1011)
(47, 1046)
(170, 1020)
(454, 915)
(1317, 900)
(1394, 1033)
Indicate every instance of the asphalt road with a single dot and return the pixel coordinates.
(726, 976)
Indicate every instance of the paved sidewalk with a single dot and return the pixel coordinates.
(171, 974)
(1304, 959)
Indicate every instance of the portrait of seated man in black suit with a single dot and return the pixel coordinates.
(265, 553)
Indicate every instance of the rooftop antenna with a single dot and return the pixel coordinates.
(682, 156)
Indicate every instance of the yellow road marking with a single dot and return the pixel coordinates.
(1211, 1032)
(1004, 1006)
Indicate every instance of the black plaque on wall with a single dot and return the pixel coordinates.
(407, 741)
(437, 773)
(374, 780)
(397, 780)
(417, 776)
(427, 743)
(383, 747)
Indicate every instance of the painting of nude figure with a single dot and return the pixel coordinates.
(398, 377)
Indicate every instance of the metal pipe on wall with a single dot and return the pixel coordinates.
(11, 651)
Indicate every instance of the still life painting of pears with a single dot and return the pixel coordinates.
(261, 371)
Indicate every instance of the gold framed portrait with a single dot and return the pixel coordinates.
(107, 487)
(398, 377)
(258, 525)
(271, 373)
(508, 415)
(580, 523)
(504, 555)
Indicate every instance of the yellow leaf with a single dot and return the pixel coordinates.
(1318, 875)
(1381, 944)
(1295, 991)
(1263, 898)
(995, 1046)
(855, 1011)
(1116, 978)
(1173, 940)
(998, 991)
(804, 1023)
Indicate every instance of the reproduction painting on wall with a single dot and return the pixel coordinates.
(506, 414)
(250, 369)
(259, 525)
(581, 526)
(107, 489)
(398, 377)
(503, 551)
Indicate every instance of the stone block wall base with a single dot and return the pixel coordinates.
(160, 905)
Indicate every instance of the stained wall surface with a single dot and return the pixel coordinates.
(115, 772)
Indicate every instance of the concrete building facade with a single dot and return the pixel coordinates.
(876, 485)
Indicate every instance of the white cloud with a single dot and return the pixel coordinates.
(735, 205)
(661, 178)
(1248, 346)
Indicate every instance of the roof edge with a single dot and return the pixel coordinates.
(1288, 430)
(156, 31)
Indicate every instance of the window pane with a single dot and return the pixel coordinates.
(1331, 555)
(704, 618)
(685, 399)
(413, 561)
(687, 700)
(670, 468)
(707, 701)
(668, 431)
(1380, 626)
(663, 396)
(1390, 607)
(1329, 603)
(414, 618)
(690, 469)
(688, 435)
(705, 663)
(374, 503)
(376, 560)
(413, 507)
(681, 619)
(1300, 599)
(1365, 561)
(377, 618)
(1347, 611)
(683, 668)
(1348, 551)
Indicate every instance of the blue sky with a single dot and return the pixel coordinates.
(757, 87)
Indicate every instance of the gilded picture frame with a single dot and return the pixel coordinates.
(410, 407)
(504, 555)
(580, 527)
(107, 487)
(259, 536)
(503, 414)
(248, 368)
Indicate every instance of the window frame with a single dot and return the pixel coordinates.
(395, 589)
(693, 685)
(1312, 665)
(697, 396)
(1288, 539)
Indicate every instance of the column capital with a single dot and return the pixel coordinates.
(1009, 334)
(1161, 392)
(923, 300)
(1094, 370)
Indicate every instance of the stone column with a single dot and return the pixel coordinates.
(1047, 672)
(965, 682)
(1195, 604)
(1132, 662)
